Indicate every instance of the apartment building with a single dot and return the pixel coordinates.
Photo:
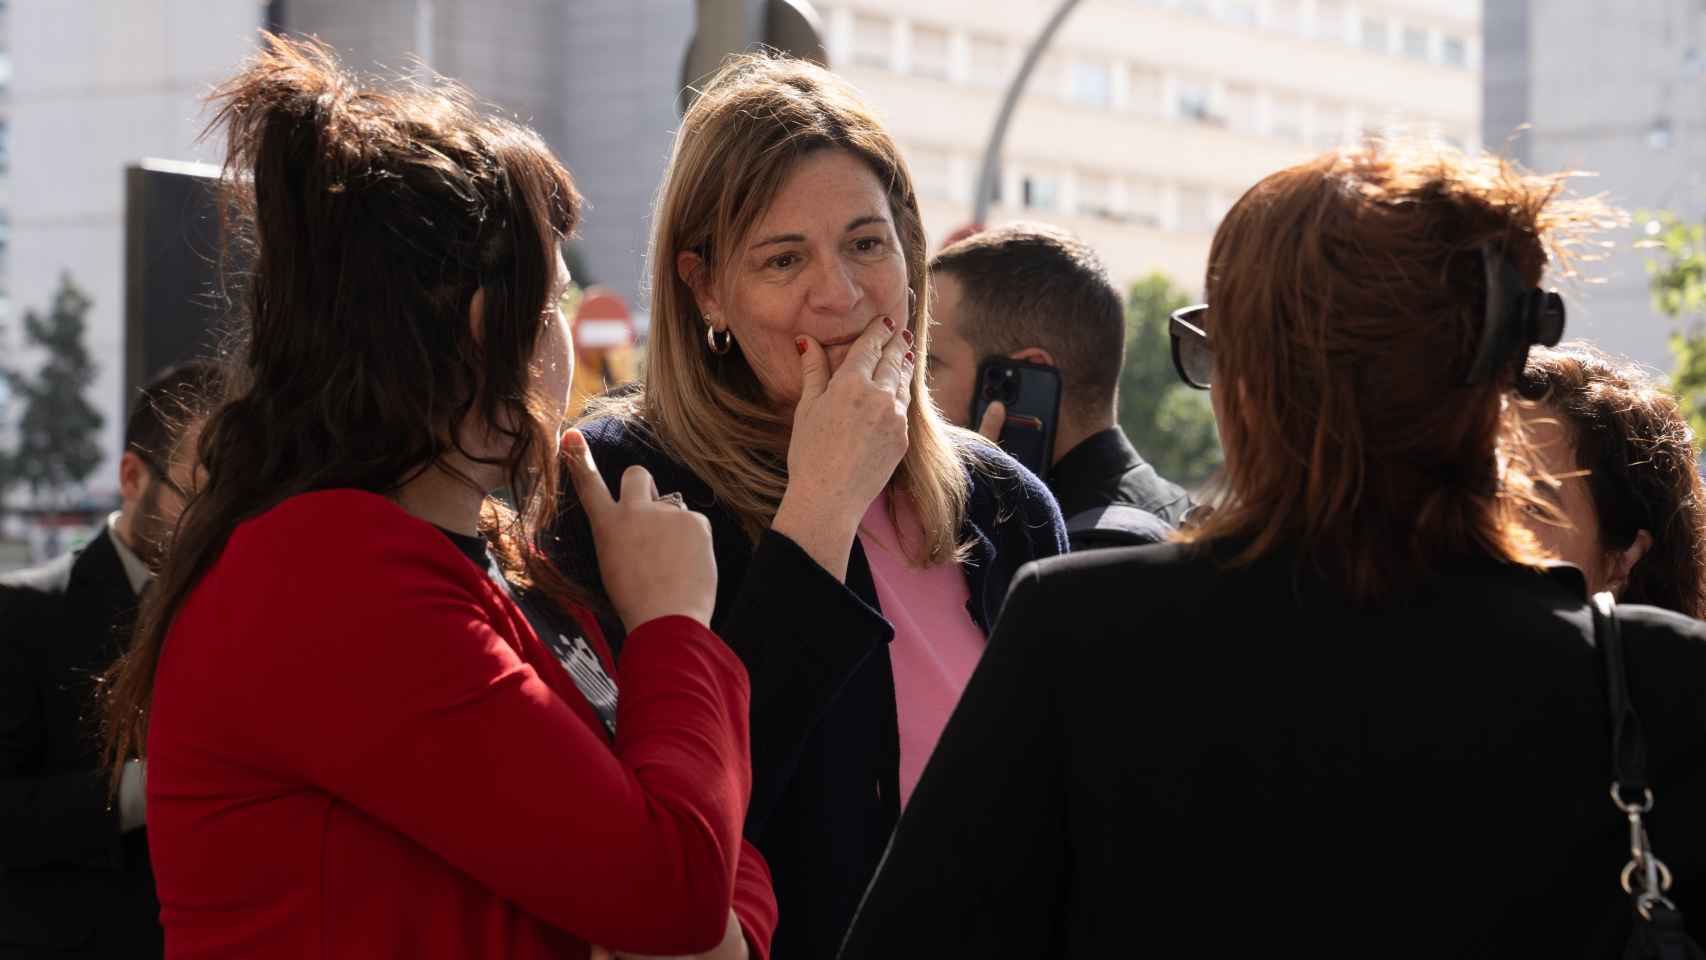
(1612, 89)
(1146, 119)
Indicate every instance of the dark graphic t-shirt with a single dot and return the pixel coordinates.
(560, 633)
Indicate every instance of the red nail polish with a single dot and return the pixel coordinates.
(800, 345)
(888, 322)
(907, 334)
(909, 356)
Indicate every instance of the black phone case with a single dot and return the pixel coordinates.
(1032, 414)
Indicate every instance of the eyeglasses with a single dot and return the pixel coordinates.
(1192, 357)
(160, 473)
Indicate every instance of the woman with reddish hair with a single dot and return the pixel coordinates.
(1353, 712)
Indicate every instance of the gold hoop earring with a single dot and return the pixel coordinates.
(718, 345)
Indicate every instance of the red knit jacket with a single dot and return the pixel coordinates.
(359, 748)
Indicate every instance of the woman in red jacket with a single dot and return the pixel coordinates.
(377, 722)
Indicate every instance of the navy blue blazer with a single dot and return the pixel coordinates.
(825, 742)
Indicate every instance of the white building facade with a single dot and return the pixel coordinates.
(1612, 88)
(1146, 119)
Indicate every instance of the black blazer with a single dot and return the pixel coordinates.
(825, 746)
(1157, 753)
(70, 883)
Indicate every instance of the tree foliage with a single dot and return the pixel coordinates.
(1170, 424)
(59, 431)
(1678, 272)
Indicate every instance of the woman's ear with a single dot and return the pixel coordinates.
(696, 273)
(1623, 561)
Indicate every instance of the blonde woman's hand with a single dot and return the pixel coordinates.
(655, 555)
(849, 435)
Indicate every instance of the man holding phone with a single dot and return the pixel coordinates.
(1023, 310)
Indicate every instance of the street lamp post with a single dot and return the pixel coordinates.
(992, 151)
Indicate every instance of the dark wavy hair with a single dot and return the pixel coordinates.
(1631, 437)
(369, 217)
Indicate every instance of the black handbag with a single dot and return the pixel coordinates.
(1658, 933)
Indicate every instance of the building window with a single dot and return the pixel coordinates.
(1194, 213)
(1240, 13)
(930, 52)
(5, 146)
(1143, 91)
(988, 67)
(1330, 20)
(1453, 51)
(1287, 16)
(1194, 102)
(1092, 85)
(1096, 197)
(873, 42)
(1415, 43)
(1287, 120)
(1042, 193)
(1239, 108)
(1143, 200)
(932, 174)
(1374, 35)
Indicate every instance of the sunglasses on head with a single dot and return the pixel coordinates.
(1192, 357)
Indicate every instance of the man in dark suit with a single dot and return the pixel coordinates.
(1029, 291)
(74, 869)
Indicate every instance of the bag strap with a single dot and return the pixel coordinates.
(1658, 925)
(1628, 745)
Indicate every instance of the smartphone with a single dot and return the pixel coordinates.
(1031, 393)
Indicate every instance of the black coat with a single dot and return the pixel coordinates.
(70, 883)
(1155, 753)
(825, 745)
(1105, 470)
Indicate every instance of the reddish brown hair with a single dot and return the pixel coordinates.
(1345, 298)
(1641, 459)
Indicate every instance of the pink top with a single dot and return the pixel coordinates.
(936, 643)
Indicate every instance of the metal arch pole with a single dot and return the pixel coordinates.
(992, 151)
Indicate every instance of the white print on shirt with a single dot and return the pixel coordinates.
(582, 666)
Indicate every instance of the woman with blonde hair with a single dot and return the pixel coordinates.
(1363, 716)
(863, 546)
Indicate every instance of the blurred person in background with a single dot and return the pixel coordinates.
(864, 547)
(378, 722)
(1620, 466)
(1033, 292)
(1362, 714)
(74, 872)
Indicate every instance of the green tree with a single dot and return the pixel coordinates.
(8, 411)
(1678, 284)
(58, 433)
(1171, 424)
